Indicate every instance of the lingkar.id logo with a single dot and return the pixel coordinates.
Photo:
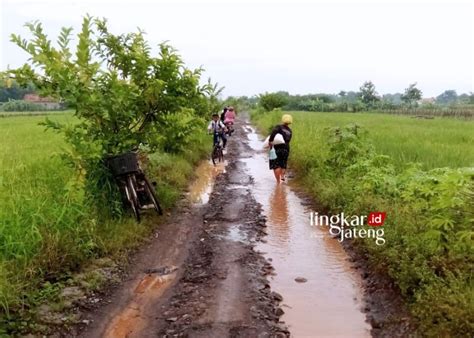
(354, 226)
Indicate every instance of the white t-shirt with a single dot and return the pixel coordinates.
(216, 126)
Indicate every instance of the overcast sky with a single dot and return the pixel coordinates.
(299, 46)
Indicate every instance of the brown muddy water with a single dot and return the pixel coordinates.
(201, 188)
(131, 320)
(329, 303)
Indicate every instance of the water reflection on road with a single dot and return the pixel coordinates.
(201, 188)
(329, 303)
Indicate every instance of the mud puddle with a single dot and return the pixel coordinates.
(201, 188)
(132, 320)
(325, 300)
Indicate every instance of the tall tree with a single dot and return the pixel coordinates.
(368, 94)
(447, 97)
(412, 95)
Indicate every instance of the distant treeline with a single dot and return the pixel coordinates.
(448, 103)
(12, 91)
(26, 106)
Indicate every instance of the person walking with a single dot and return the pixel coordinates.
(282, 149)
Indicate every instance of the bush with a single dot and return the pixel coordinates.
(20, 105)
(123, 97)
(270, 101)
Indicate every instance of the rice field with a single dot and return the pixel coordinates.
(434, 143)
(46, 228)
(428, 205)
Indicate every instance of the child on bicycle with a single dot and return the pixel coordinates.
(229, 120)
(218, 128)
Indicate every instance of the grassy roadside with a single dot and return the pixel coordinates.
(47, 232)
(428, 250)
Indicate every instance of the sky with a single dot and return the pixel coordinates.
(251, 47)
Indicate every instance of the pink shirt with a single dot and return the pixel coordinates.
(229, 116)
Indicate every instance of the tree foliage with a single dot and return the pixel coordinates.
(368, 94)
(122, 94)
(412, 95)
(270, 101)
(10, 90)
(447, 97)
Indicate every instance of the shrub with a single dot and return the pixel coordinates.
(270, 101)
(20, 105)
(123, 97)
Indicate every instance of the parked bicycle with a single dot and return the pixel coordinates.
(218, 152)
(136, 189)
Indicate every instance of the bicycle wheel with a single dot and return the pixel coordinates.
(221, 155)
(215, 154)
(151, 193)
(132, 197)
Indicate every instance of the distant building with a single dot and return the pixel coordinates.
(427, 100)
(47, 102)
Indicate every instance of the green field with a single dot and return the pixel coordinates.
(33, 113)
(429, 250)
(46, 228)
(434, 143)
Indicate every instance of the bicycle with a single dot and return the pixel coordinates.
(217, 151)
(230, 128)
(135, 187)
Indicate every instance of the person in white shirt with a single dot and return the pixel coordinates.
(217, 128)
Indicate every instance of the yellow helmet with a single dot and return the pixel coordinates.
(287, 119)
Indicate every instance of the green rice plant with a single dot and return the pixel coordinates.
(47, 230)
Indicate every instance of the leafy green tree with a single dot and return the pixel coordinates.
(464, 98)
(270, 101)
(412, 95)
(368, 94)
(447, 97)
(10, 90)
(240, 103)
(471, 98)
(123, 96)
(395, 98)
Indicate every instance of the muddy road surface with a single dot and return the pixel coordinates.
(238, 258)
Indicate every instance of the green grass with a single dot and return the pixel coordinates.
(33, 113)
(46, 228)
(440, 142)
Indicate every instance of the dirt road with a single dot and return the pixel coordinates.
(239, 261)
(202, 275)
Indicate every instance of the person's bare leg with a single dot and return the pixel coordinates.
(277, 172)
(282, 175)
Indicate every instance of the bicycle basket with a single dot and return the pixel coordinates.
(123, 164)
